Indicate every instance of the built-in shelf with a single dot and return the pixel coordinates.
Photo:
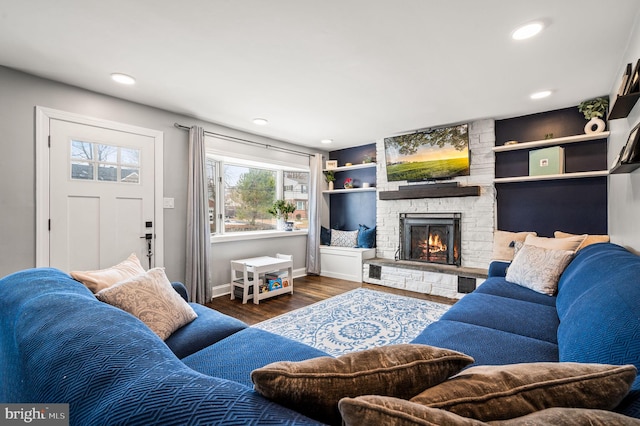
(343, 190)
(352, 167)
(576, 175)
(623, 105)
(550, 142)
(624, 168)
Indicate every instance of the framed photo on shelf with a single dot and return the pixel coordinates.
(331, 164)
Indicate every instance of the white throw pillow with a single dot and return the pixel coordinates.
(104, 278)
(538, 269)
(151, 298)
(344, 238)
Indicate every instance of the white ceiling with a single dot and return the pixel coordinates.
(350, 70)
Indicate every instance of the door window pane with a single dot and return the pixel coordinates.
(104, 163)
(212, 189)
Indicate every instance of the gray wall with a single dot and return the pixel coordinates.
(624, 189)
(20, 93)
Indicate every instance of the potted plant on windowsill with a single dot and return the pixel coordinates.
(281, 210)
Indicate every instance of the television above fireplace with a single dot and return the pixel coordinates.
(434, 154)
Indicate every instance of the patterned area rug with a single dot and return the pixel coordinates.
(356, 320)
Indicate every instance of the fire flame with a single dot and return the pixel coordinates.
(436, 244)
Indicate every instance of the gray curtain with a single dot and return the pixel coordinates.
(198, 232)
(315, 201)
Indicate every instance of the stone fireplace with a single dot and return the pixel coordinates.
(476, 224)
(430, 237)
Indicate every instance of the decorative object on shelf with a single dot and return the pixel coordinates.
(281, 210)
(594, 110)
(330, 177)
(348, 164)
(508, 143)
(546, 161)
(368, 159)
(331, 164)
(548, 136)
(366, 185)
(348, 183)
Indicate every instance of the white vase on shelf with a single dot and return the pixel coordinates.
(330, 185)
(595, 125)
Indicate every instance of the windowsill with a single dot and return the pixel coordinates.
(245, 236)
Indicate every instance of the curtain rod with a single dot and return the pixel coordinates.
(235, 139)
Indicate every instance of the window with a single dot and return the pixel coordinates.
(105, 163)
(241, 192)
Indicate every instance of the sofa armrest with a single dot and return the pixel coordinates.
(181, 289)
(498, 268)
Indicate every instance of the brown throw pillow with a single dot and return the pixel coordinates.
(104, 278)
(503, 242)
(151, 298)
(314, 387)
(501, 392)
(571, 417)
(389, 411)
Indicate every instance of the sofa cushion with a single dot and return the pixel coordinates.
(590, 239)
(538, 268)
(486, 345)
(500, 287)
(315, 386)
(208, 328)
(389, 411)
(503, 392)
(151, 298)
(503, 244)
(257, 347)
(569, 243)
(540, 322)
(104, 278)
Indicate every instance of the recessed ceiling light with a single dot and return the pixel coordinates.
(541, 94)
(260, 121)
(123, 78)
(326, 141)
(527, 31)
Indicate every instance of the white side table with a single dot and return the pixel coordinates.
(258, 267)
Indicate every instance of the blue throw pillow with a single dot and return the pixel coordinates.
(325, 236)
(366, 237)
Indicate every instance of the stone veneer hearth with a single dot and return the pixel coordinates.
(477, 222)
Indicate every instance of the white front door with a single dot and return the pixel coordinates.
(102, 195)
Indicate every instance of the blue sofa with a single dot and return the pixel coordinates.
(59, 344)
(594, 318)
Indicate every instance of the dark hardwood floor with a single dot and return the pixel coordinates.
(307, 290)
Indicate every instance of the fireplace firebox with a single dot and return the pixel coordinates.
(430, 237)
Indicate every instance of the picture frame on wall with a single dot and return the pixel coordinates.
(331, 164)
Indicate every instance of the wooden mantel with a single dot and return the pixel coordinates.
(436, 190)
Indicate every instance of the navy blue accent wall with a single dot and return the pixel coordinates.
(577, 206)
(348, 210)
(570, 205)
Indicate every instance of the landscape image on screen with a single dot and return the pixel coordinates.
(434, 154)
